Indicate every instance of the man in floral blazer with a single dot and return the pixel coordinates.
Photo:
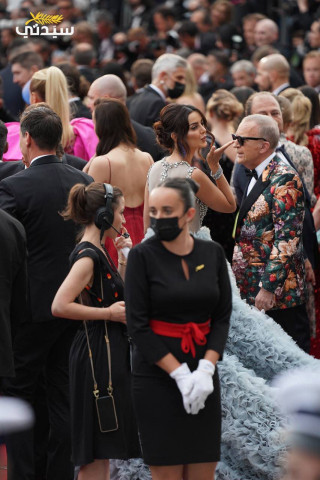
(268, 260)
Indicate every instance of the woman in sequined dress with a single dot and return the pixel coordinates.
(183, 131)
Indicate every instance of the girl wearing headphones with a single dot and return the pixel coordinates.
(101, 427)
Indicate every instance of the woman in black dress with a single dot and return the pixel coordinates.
(93, 276)
(178, 304)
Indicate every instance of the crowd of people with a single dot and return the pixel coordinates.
(160, 206)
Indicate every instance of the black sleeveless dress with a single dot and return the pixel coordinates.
(88, 443)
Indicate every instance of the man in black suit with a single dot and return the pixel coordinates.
(13, 287)
(111, 86)
(168, 80)
(13, 278)
(35, 196)
(11, 168)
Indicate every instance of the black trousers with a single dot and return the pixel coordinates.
(42, 350)
(295, 322)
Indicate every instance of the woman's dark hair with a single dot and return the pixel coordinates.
(315, 102)
(242, 93)
(185, 187)
(84, 201)
(77, 84)
(174, 118)
(112, 125)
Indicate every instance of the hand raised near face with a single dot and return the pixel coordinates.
(215, 154)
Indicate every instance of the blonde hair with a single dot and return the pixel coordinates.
(51, 86)
(301, 111)
(224, 105)
(291, 93)
(191, 84)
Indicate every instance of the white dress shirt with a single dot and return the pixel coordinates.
(158, 91)
(259, 169)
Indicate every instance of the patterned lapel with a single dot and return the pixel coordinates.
(261, 184)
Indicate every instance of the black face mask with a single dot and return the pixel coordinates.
(166, 229)
(177, 90)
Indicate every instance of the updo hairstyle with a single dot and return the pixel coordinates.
(84, 201)
(186, 188)
(224, 105)
(174, 118)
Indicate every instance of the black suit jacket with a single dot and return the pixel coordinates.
(79, 110)
(11, 168)
(146, 141)
(13, 287)
(12, 93)
(35, 196)
(145, 106)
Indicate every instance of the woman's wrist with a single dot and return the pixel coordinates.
(109, 314)
(218, 174)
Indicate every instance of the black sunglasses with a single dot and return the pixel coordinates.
(241, 140)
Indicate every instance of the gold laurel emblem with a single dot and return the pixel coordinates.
(199, 267)
(44, 19)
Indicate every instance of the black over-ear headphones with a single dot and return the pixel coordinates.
(104, 215)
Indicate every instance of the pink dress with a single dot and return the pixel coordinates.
(84, 145)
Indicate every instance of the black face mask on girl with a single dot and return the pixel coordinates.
(166, 229)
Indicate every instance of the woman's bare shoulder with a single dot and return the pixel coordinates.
(100, 160)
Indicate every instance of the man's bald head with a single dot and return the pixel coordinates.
(266, 32)
(276, 67)
(277, 62)
(107, 86)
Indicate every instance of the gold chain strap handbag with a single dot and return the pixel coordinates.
(106, 410)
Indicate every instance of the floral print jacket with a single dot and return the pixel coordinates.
(268, 252)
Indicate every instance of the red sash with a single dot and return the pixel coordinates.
(188, 332)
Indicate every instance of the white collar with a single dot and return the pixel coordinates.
(73, 99)
(157, 89)
(280, 88)
(259, 169)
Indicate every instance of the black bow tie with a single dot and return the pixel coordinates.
(251, 173)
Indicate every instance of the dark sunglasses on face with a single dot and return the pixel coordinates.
(241, 140)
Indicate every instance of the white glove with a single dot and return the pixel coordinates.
(203, 385)
(185, 381)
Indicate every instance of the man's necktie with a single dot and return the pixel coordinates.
(251, 174)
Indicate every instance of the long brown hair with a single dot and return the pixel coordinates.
(112, 125)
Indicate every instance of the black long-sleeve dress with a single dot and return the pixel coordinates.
(88, 443)
(156, 288)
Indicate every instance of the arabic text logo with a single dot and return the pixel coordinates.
(40, 26)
